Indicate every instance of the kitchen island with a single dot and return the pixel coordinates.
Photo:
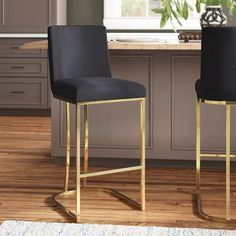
(169, 71)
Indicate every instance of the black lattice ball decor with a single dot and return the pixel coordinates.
(213, 16)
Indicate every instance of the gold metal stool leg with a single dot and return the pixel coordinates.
(86, 137)
(228, 213)
(198, 150)
(77, 162)
(67, 170)
(142, 149)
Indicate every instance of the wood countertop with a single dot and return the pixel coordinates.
(153, 46)
(130, 46)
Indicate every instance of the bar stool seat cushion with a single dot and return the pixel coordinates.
(215, 92)
(87, 89)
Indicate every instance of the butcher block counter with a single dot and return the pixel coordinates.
(116, 45)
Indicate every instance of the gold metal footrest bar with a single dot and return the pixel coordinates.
(108, 172)
(203, 215)
(215, 155)
(128, 201)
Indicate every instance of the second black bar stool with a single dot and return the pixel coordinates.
(217, 86)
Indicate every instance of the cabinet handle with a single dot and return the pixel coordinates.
(14, 92)
(15, 47)
(17, 67)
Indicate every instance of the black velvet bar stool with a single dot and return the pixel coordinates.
(80, 74)
(216, 86)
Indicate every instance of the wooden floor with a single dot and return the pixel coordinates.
(29, 176)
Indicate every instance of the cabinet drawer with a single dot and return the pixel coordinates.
(23, 92)
(12, 48)
(23, 67)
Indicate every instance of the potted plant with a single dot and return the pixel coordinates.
(175, 10)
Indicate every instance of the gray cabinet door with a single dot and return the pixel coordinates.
(23, 92)
(27, 15)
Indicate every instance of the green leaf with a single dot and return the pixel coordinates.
(178, 8)
(164, 19)
(158, 10)
(213, 2)
(168, 8)
(166, 2)
(198, 6)
(230, 6)
(176, 16)
(185, 10)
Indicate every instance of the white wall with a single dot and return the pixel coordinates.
(91, 12)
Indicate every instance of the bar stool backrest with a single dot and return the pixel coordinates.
(78, 51)
(218, 63)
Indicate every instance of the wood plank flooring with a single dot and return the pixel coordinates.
(29, 176)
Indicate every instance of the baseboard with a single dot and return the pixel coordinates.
(118, 162)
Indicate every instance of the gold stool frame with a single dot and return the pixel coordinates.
(85, 175)
(227, 155)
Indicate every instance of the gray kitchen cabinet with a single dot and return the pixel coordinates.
(170, 124)
(31, 16)
(170, 108)
(23, 75)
